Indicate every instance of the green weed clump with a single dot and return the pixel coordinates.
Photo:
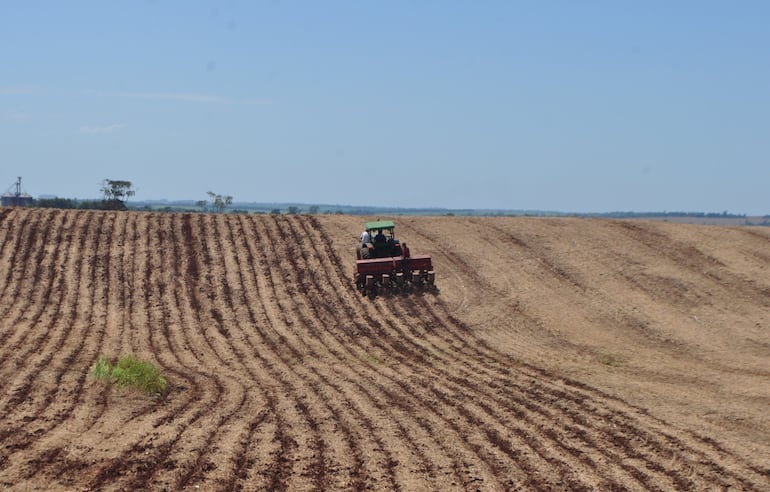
(130, 372)
(612, 360)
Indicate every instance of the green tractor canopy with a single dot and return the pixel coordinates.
(380, 224)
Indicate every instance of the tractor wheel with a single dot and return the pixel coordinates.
(365, 253)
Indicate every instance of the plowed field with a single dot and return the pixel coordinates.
(563, 354)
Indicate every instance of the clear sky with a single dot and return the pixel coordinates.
(574, 106)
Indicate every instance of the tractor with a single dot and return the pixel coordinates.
(383, 262)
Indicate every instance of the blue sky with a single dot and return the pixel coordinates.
(575, 106)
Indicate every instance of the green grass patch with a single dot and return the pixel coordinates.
(130, 372)
(612, 360)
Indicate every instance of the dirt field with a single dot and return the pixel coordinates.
(557, 354)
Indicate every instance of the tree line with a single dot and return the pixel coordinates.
(116, 192)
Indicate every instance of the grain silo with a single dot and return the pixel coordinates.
(14, 197)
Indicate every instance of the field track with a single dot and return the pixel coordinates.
(560, 354)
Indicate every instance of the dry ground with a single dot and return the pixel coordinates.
(564, 354)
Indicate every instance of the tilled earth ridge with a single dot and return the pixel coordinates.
(556, 354)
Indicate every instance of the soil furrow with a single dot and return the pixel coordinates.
(363, 332)
(390, 395)
(339, 347)
(37, 395)
(15, 434)
(30, 347)
(249, 267)
(197, 344)
(335, 451)
(5, 212)
(586, 401)
(151, 450)
(88, 327)
(275, 459)
(420, 351)
(14, 233)
(518, 396)
(282, 377)
(291, 317)
(272, 331)
(28, 281)
(637, 473)
(630, 426)
(216, 292)
(396, 346)
(512, 398)
(692, 258)
(395, 343)
(122, 248)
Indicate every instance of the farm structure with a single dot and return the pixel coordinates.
(15, 197)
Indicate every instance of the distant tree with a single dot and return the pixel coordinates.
(219, 202)
(115, 193)
(294, 210)
(201, 204)
(276, 211)
(313, 209)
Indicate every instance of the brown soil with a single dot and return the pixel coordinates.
(556, 354)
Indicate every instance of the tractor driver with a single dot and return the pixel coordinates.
(380, 237)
